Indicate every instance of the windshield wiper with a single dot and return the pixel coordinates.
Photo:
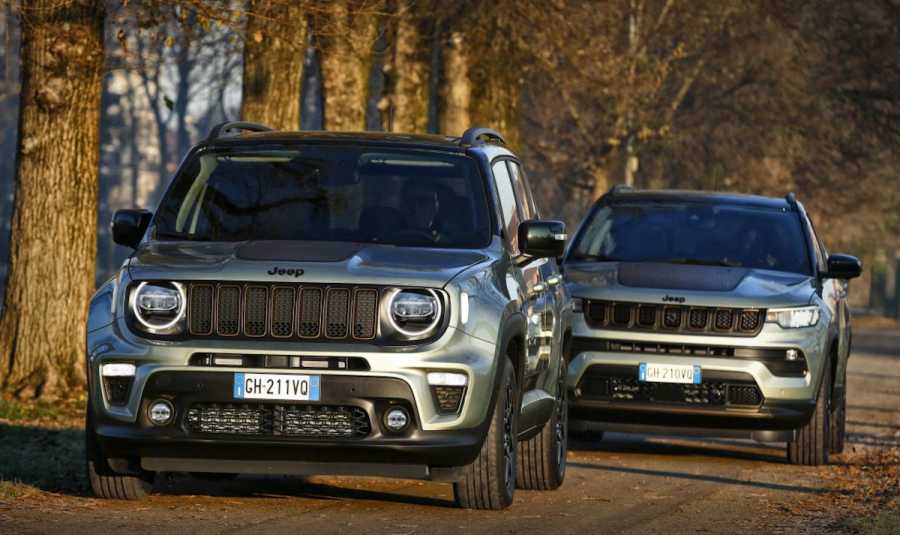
(693, 262)
(181, 235)
(594, 257)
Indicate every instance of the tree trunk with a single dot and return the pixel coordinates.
(273, 63)
(480, 75)
(346, 33)
(409, 66)
(54, 228)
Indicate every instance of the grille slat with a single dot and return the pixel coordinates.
(733, 321)
(282, 312)
(201, 309)
(229, 309)
(337, 312)
(255, 302)
(365, 306)
(310, 322)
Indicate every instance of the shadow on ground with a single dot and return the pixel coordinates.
(46, 458)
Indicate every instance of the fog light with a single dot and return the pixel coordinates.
(161, 412)
(397, 419)
(792, 354)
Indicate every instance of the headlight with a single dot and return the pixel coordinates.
(793, 318)
(158, 306)
(415, 313)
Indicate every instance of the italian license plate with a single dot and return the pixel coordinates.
(277, 386)
(669, 373)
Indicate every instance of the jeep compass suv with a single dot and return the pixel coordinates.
(335, 304)
(711, 314)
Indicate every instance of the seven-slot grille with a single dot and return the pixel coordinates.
(715, 320)
(258, 311)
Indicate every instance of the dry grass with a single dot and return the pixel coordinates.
(42, 447)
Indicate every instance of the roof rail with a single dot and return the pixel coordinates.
(225, 129)
(473, 135)
(620, 188)
(791, 199)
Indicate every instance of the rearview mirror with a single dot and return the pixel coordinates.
(841, 266)
(129, 226)
(542, 239)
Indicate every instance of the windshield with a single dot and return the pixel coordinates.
(686, 233)
(351, 194)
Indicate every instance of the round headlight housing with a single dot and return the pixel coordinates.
(158, 306)
(415, 313)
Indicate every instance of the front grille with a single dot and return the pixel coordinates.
(231, 419)
(279, 420)
(750, 320)
(650, 316)
(622, 314)
(646, 315)
(744, 395)
(724, 319)
(259, 311)
(628, 388)
(596, 312)
(698, 319)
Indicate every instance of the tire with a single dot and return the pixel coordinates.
(813, 441)
(103, 481)
(489, 483)
(838, 424)
(542, 458)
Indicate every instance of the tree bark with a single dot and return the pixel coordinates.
(273, 63)
(409, 66)
(54, 227)
(479, 83)
(346, 33)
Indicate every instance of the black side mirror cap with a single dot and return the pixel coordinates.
(841, 266)
(542, 239)
(129, 226)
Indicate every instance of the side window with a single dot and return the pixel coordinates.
(523, 190)
(510, 212)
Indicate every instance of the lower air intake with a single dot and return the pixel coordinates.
(279, 420)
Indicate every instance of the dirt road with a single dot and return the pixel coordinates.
(625, 485)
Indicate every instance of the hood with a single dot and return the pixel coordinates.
(688, 284)
(300, 262)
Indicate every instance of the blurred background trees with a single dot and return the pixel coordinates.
(760, 97)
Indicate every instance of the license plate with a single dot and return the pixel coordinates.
(669, 373)
(276, 386)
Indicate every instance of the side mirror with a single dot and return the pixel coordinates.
(129, 226)
(542, 239)
(841, 266)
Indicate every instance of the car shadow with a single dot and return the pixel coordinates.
(696, 477)
(287, 487)
(45, 458)
(683, 446)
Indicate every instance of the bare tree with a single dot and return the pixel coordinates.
(273, 62)
(53, 244)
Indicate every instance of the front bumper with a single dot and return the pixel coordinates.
(432, 447)
(739, 397)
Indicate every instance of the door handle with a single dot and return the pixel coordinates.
(539, 287)
(554, 280)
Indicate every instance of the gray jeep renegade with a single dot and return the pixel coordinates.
(334, 304)
(709, 314)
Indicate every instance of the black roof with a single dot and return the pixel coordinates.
(700, 197)
(421, 141)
